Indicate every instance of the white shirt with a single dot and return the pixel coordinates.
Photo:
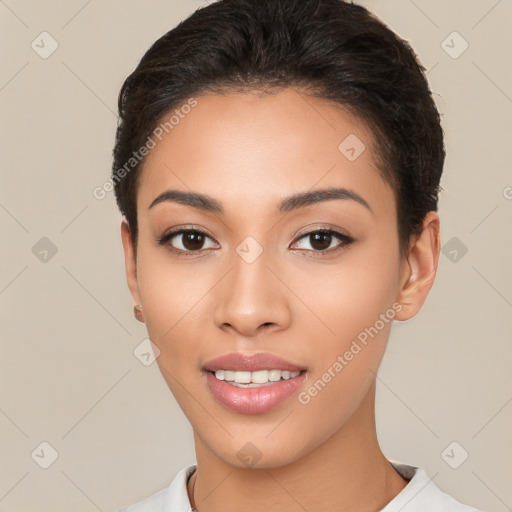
(419, 495)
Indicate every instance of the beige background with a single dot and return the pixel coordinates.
(69, 374)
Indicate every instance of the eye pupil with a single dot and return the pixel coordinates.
(196, 240)
(322, 238)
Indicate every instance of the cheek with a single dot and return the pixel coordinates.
(350, 296)
(355, 303)
(173, 294)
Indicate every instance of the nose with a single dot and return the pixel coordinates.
(252, 298)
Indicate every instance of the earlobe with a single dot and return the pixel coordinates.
(129, 260)
(420, 269)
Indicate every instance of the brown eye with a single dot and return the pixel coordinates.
(186, 241)
(321, 240)
(192, 240)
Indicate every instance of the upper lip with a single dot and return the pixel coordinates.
(240, 361)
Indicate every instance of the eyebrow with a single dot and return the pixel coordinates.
(293, 202)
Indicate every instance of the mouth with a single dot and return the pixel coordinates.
(252, 383)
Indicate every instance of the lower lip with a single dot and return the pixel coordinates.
(253, 400)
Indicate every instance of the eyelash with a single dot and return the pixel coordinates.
(345, 239)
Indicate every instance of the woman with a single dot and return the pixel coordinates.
(278, 163)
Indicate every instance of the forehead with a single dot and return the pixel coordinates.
(249, 148)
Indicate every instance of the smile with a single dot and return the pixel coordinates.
(247, 379)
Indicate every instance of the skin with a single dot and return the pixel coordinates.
(249, 151)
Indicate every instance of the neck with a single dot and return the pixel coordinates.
(347, 473)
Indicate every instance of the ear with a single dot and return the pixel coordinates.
(129, 261)
(419, 270)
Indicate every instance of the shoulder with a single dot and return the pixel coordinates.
(422, 495)
(172, 498)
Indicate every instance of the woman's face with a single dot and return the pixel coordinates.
(262, 278)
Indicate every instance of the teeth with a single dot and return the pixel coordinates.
(243, 377)
(229, 375)
(258, 377)
(274, 375)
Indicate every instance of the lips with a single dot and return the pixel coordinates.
(253, 400)
(251, 362)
